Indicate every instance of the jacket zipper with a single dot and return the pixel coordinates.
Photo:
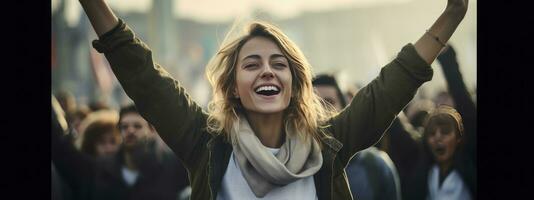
(209, 173)
(332, 176)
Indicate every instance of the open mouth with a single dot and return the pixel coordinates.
(268, 90)
(439, 150)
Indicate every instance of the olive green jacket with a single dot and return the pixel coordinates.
(181, 123)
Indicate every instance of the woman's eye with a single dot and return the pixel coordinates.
(279, 64)
(432, 134)
(250, 65)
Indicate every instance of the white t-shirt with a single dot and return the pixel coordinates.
(129, 176)
(234, 186)
(453, 187)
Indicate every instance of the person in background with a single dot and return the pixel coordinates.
(461, 98)
(142, 144)
(371, 173)
(139, 170)
(98, 104)
(75, 119)
(67, 101)
(60, 190)
(443, 98)
(462, 157)
(402, 147)
(100, 134)
(443, 171)
(417, 111)
(72, 111)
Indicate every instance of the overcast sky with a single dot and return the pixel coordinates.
(224, 10)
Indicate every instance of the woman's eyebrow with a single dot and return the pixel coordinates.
(278, 56)
(255, 56)
(252, 56)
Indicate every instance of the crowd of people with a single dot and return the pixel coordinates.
(115, 155)
(272, 130)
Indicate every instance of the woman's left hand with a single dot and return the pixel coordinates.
(459, 6)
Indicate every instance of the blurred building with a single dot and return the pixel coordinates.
(72, 69)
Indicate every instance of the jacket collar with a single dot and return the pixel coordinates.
(323, 178)
(332, 143)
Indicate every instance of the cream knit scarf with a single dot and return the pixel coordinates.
(264, 171)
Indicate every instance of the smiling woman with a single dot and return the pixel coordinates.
(266, 134)
(265, 77)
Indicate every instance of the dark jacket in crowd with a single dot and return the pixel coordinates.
(403, 150)
(160, 178)
(60, 190)
(182, 123)
(372, 176)
(415, 184)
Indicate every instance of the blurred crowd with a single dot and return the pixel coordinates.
(99, 152)
(102, 153)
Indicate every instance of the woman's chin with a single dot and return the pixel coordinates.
(267, 109)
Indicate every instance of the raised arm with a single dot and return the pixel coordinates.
(462, 100)
(362, 123)
(100, 15)
(373, 109)
(430, 44)
(76, 168)
(160, 99)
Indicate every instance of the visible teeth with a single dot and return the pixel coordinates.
(266, 88)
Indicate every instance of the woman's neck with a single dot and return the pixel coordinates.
(268, 128)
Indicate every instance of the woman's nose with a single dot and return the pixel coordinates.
(267, 71)
(438, 136)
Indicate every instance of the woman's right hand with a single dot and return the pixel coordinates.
(100, 15)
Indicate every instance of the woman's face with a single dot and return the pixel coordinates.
(443, 145)
(263, 77)
(107, 145)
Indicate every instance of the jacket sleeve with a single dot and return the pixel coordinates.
(371, 111)
(159, 98)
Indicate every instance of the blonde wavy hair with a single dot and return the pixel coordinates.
(305, 111)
